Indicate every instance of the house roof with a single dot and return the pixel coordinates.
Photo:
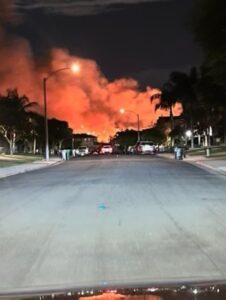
(84, 135)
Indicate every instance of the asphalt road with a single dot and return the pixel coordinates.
(114, 219)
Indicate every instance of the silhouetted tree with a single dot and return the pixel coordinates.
(14, 116)
(209, 29)
(153, 134)
(185, 91)
(125, 138)
(59, 131)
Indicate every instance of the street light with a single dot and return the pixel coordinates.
(188, 133)
(75, 68)
(122, 111)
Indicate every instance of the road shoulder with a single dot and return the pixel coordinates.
(28, 167)
(213, 165)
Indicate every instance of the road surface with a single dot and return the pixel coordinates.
(112, 219)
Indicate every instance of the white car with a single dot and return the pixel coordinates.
(145, 147)
(106, 149)
(131, 149)
(82, 151)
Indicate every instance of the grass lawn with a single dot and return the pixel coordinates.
(12, 160)
(215, 151)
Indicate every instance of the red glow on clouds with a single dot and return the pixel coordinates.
(86, 99)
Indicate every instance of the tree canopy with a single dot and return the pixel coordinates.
(14, 116)
(209, 29)
(20, 122)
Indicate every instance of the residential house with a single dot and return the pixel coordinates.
(84, 139)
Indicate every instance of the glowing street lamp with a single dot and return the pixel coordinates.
(75, 68)
(188, 133)
(122, 111)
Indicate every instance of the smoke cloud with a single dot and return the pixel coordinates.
(87, 100)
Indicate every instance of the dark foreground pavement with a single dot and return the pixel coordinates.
(100, 220)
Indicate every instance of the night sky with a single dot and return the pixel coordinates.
(145, 40)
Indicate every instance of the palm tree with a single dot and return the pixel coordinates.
(14, 116)
(212, 102)
(202, 98)
(186, 90)
(168, 99)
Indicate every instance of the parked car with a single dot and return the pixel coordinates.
(82, 151)
(131, 149)
(145, 147)
(106, 149)
(96, 151)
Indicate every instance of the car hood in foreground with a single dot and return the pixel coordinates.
(171, 291)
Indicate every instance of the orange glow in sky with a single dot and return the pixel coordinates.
(85, 98)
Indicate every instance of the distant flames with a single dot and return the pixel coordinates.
(87, 100)
(115, 296)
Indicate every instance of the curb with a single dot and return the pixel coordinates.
(198, 163)
(209, 169)
(216, 170)
(31, 170)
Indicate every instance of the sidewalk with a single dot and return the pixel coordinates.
(26, 167)
(214, 163)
